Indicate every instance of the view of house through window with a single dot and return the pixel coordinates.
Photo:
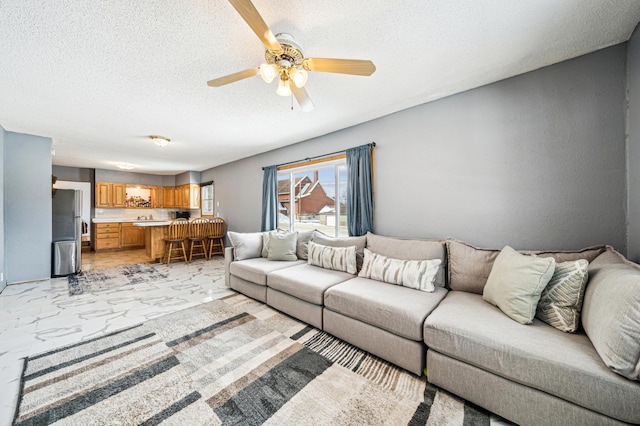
(319, 198)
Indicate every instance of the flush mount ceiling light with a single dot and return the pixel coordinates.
(160, 140)
(125, 166)
(285, 60)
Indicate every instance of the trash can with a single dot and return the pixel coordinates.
(63, 260)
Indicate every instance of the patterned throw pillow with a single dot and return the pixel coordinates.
(336, 258)
(418, 274)
(561, 300)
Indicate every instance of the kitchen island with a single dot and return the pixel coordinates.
(154, 234)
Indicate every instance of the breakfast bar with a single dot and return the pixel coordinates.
(154, 234)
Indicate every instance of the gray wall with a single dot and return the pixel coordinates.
(27, 202)
(187, 178)
(74, 174)
(133, 178)
(536, 161)
(3, 281)
(633, 153)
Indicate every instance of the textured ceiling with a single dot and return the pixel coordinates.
(100, 76)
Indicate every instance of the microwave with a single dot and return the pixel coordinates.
(183, 214)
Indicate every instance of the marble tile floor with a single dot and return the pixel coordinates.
(40, 316)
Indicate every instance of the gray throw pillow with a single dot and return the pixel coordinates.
(302, 251)
(282, 246)
(246, 245)
(611, 312)
(561, 300)
(516, 282)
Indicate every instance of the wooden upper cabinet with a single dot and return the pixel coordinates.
(156, 197)
(168, 199)
(103, 194)
(119, 194)
(194, 198)
(178, 197)
(110, 194)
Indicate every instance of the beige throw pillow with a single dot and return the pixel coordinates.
(516, 282)
(418, 274)
(336, 258)
(561, 300)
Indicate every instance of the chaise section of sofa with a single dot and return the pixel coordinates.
(536, 374)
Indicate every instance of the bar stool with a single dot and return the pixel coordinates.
(176, 237)
(217, 229)
(198, 232)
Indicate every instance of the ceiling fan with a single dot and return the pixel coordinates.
(285, 60)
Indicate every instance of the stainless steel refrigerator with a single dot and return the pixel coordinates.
(66, 246)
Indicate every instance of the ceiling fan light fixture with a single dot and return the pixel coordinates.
(268, 72)
(160, 140)
(283, 87)
(298, 76)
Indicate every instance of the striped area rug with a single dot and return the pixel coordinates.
(232, 361)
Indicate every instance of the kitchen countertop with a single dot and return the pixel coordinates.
(151, 223)
(108, 220)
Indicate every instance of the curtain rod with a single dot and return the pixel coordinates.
(372, 145)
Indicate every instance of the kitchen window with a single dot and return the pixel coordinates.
(206, 197)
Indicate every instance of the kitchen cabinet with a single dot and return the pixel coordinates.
(131, 236)
(156, 197)
(107, 236)
(168, 199)
(178, 197)
(194, 196)
(117, 235)
(110, 194)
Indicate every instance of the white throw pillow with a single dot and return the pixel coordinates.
(336, 258)
(516, 282)
(246, 245)
(418, 274)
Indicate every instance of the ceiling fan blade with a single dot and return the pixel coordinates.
(250, 14)
(301, 95)
(231, 78)
(341, 66)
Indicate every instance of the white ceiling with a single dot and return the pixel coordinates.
(100, 76)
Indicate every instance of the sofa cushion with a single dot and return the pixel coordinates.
(255, 270)
(539, 356)
(359, 242)
(399, 310)
(282, 247)
(336, 258)
(306, 282)
(611, 312)
(561, 301)
(246, 245)
(410, 249)
(516, 282)
(469, 267)
(418, 274)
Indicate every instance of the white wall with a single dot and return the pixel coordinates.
(536, 161)
(86, 189)
(27, 213)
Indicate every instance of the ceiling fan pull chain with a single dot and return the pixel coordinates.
(291, 101)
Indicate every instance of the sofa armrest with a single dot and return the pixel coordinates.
(228, 258)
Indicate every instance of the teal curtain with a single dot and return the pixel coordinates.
(270, 199)
(359, 191)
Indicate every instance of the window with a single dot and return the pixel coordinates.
(314, 196)
(206, 197)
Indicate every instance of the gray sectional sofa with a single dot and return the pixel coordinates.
(529, 374)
